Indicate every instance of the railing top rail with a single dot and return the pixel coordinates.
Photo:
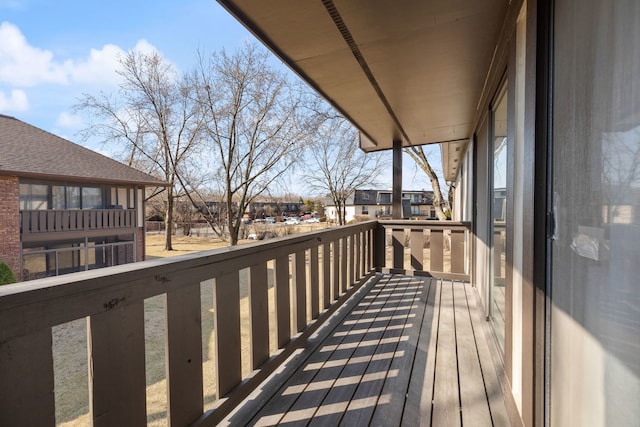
(77, 210)
(28, 306)
(407, 223)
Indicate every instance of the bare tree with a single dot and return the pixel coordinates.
(153, 117)
(422, 160)
(253, 129)
(339, 166)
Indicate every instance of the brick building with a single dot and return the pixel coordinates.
(65, 208)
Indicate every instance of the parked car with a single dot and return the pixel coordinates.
(270, 220)
(311, 220)
(292, 221)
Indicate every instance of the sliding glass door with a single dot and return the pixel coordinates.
(498, 220)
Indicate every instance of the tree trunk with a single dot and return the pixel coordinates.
(233, 231)
(417, 154)
(168, 220)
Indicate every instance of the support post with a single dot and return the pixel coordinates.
(396, 208)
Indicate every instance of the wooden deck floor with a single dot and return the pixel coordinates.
(409, 351)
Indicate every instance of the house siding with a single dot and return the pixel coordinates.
(10, 224)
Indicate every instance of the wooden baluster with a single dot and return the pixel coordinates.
(227, 329)
(314, 282)
(371, 264)
(26, 222)
(42, 221)
(343, 264)
(283, 299)
(355, 258)
(398, 248)
(26, 370)
(117, 365)
(300, 286)
(184, 354)
(457, 251)
(326, 274)
(335, 265)
(417, 249)
(436, 251)
(380, 247)
(259, 306)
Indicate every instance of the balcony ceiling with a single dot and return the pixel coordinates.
(408, 70)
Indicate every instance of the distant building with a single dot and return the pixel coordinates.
(65, 208)
(278, 208)
(376, 204)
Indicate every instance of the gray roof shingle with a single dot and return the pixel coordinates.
(27, 151)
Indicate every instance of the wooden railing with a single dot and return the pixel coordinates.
(311, 275)
(290, 285)
(50, 221)
(433, 248)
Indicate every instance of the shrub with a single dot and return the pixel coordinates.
(6, 276)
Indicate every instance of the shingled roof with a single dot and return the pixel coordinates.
(27, 151)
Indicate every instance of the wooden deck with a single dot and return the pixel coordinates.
(404, 351)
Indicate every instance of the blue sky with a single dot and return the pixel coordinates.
(53, 52)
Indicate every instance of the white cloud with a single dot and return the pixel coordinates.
(145, 47)
(23, 65)
(16, 102)
(99, 68)
(69, 121)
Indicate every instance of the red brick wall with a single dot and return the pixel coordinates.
(10, 224)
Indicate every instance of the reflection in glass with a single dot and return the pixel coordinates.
(498, 222)
(595, 268)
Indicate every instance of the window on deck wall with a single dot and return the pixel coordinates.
(34, 197)
(92, 198)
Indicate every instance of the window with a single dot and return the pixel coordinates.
(92, 198)
(34, 196)
(58, 197)
(73, 197)
(384, 197)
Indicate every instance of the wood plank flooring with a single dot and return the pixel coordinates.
(412, 351)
